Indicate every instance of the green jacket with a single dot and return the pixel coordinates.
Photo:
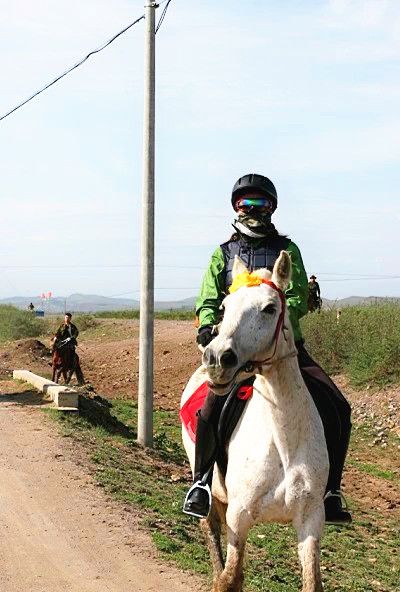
(213, 290)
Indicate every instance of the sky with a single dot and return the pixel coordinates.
(305, 92)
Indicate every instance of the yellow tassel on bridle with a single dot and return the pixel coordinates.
(245, 279)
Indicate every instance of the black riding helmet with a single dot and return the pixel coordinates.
(256, 183)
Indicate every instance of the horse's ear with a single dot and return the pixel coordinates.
(282, 271)
(238, 267)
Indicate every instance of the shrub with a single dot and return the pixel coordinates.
(85, 321)
(17, 324)
(365, 344)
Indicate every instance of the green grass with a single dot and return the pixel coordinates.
(360, 558)
(18, 324)
(374, 470)
(365, 344)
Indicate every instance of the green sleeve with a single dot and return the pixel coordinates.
(297, 291)
(212, 290)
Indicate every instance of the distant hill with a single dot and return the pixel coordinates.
(91, 303)
(96, 303)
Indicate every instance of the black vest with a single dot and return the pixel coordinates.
(254, 257)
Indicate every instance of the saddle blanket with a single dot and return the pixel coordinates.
(190, 408)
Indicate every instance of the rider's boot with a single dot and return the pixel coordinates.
(336, 511)
(335, 415)
(198, 499)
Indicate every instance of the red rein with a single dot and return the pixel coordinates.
(279, 323)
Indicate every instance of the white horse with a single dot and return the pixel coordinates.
(277, 457)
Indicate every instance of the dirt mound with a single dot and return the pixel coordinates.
(25, 354)
(112, 365)
(34, 347)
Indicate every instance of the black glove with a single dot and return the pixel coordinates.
(205, 335)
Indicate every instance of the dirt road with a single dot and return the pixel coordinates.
(58, 531)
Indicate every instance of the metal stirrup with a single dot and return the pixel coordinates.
(203, 487)
(338, 494)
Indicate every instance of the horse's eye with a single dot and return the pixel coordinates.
(269, 309)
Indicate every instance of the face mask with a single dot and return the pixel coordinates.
(257, 222)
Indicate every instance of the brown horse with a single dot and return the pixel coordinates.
(314, 302)
(65, 361)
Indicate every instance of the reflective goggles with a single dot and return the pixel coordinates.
(254, 202)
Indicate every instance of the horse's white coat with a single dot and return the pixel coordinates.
(278, 462)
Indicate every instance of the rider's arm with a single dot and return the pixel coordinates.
(297, 291)
(318, 290)
(74, 331)
(59, 332)
(212, 290)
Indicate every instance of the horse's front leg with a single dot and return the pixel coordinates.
(58, 374)
(211, 527)
(309, 531)
(238, 524)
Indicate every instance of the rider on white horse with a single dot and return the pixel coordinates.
(258, 244)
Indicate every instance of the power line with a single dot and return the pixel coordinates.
(363, 279)
(362, 275)
(95, 266)
(162, 17)
(160, 22)
(350, 276)
(75, 66)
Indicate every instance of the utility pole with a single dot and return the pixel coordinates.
(146, 336)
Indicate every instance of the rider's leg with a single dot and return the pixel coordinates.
(335, 414)
(197, 501)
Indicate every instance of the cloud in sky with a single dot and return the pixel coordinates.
(305, 92)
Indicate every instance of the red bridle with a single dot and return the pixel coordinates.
(250, 365)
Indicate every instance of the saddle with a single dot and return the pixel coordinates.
(232, 404)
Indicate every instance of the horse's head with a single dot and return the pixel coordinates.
(255, 330)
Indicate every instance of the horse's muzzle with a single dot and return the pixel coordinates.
(228, 359)
(221, 368)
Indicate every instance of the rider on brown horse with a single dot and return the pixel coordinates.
(65, 359)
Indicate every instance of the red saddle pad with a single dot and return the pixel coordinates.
(190, 408)
(188, 412)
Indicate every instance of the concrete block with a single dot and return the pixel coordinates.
(37, 381)
(62, 396)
